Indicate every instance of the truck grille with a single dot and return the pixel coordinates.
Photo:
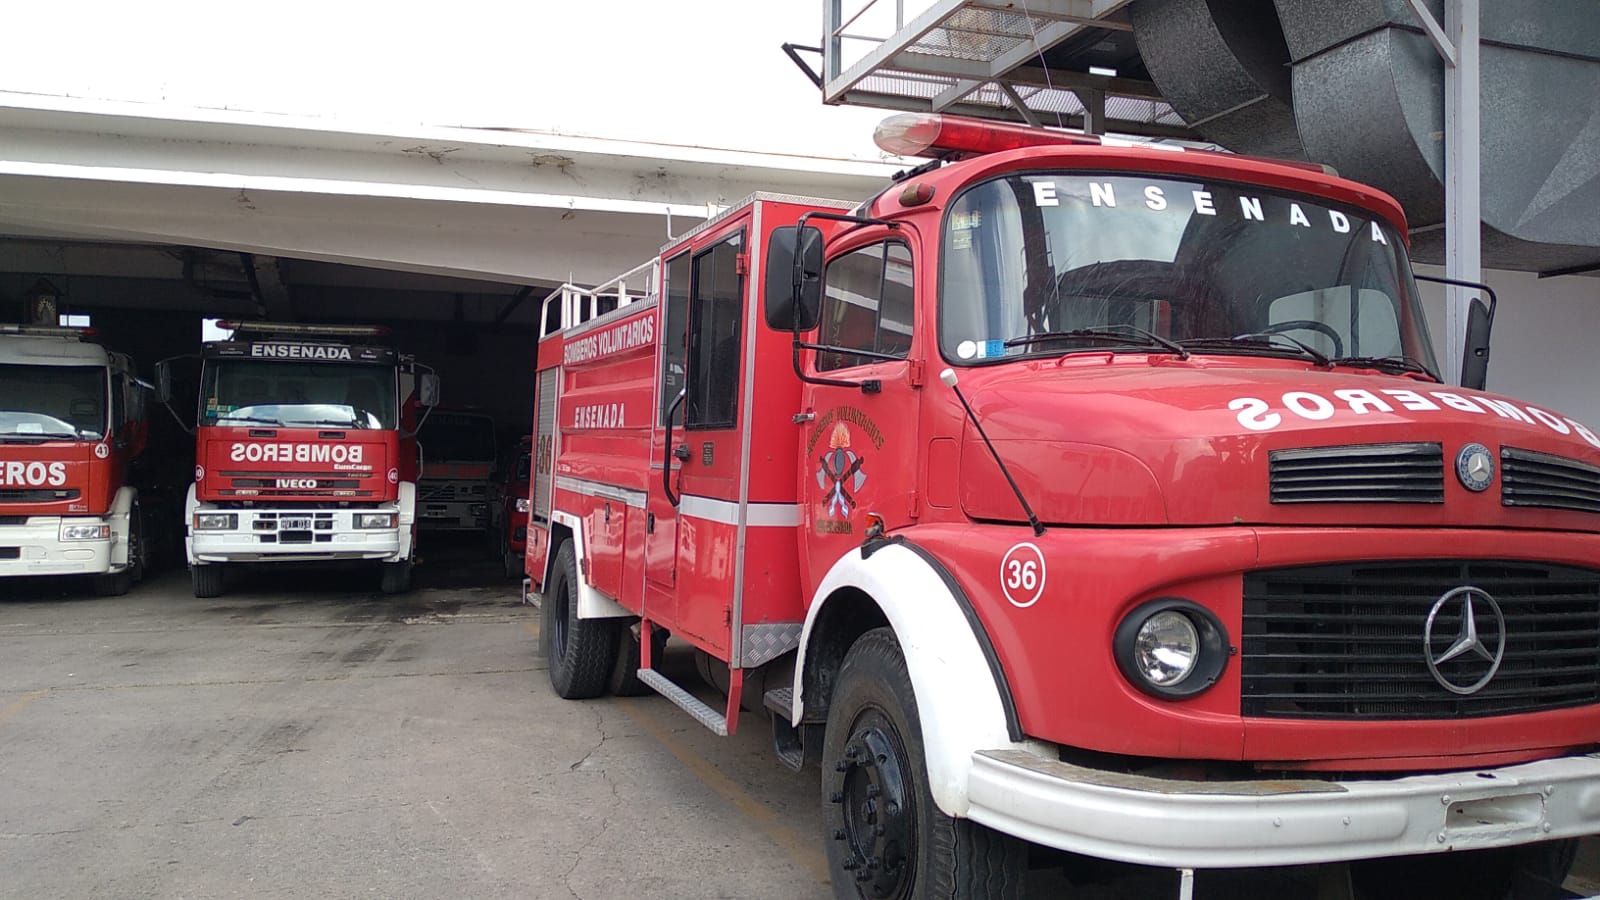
(452, 490)
(295, 484)
(37, 495)
(1360, 473)
(1530, 478)
(1346, 641)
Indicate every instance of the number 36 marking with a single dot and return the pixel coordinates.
(1022, 574)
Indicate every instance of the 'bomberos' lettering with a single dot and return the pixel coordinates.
(1259, 414)
(33, 474)
(302, 453)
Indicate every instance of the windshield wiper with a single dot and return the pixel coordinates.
(223, 420)
(1389, 364)
(1261, 342)
(348, 423)
(36, 436)
(1118, 333)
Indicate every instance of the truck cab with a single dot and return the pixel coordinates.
(72, 420)
(1099, 497)
(459, 456)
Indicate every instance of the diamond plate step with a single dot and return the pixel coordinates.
(780, 701)
(689, 703)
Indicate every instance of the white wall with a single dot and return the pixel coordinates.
(1546, 344)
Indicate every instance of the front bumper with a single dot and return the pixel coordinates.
(1202, 825)
(453, 515)
(35, 548)
(273, 535)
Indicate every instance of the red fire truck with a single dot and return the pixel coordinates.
(300, 451)
(1095, 497)
(72, 420)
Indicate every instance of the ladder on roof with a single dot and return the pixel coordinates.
(580, 304)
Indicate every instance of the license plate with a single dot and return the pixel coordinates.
(436, 514)
(294, 524)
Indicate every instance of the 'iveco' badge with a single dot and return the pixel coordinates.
(1475, 467)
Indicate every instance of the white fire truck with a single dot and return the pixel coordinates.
(1086, 497)
(72, 420)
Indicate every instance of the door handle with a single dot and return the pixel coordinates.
(681, 452)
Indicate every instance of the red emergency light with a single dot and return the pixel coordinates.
(940, 136)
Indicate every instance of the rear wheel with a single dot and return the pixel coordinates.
(885, 838)
(580, 652)
(396, 577)
(1530, 872)
(207, 579)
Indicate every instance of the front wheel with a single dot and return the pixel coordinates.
(396, 577)
(207, 580)
(885, 838)
(581, 653)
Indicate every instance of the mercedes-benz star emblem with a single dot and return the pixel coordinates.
(1474, 648)
(1475, 467)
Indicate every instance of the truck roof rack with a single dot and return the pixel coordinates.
(580, 304)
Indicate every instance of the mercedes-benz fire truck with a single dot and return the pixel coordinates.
(300, 452)
(1095, 497)
(72, 420)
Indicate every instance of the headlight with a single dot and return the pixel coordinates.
(1171, 648)
(375, 520)
(85, 532)
(215, 521)
(522, 504)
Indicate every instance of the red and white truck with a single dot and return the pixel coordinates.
(1095, 497)
(72, 420)
(301, 454)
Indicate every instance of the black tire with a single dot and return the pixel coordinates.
(207, 580)
(884, 836)
(624, 680)
(511, 561)
(137, 552)
(1529, 872)
(396, 578)
(115, 584)
(580, 653)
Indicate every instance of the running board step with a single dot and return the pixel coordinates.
(781, 702)
(689, 703)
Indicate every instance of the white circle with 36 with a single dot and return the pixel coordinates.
(1022, 572)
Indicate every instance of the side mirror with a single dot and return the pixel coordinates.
(163, 386)
(1475, 352)
(428, 390)
(793, 253)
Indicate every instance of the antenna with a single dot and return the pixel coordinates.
(948, 376)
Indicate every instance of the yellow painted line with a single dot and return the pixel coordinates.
(21, 703)
(803, 849)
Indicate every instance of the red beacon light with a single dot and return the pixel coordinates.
(941, 137)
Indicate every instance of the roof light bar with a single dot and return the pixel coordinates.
(940, 137)
(47, 330)
(304, 329)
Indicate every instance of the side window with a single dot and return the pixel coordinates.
(716, 289)
(867, 304)
(675, 329)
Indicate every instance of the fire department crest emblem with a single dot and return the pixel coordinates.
(839, 474)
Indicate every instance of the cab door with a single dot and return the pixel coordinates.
(692, 551)
(859, 450)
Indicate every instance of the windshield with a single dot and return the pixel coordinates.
(456, 437)
(1231, 268)
(52, 401)
(293, 394)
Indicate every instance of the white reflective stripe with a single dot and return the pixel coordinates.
(597, 489)
(758, 515)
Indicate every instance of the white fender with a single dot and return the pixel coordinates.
(957, 698)
(407, 499)
(592, 602)
(191, 504)
(121, 509)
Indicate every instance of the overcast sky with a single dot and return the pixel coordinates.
(703, 72)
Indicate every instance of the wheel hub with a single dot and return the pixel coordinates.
(879, 822)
